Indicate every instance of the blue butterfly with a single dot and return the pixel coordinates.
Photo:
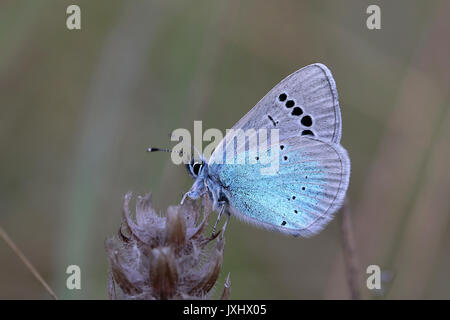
(313, 172)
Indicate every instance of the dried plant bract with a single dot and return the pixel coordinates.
(165, 256)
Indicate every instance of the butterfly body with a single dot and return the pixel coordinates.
(311, 179)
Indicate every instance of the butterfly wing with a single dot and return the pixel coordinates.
(303, 104)
(314, 170)
(301, 198)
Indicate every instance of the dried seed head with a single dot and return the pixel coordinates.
(163, 273)
(175, 229)
(227, 289)
(165, 257)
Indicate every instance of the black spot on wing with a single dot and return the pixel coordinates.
(297, 111)
(307, 133)
(290, 103)
(306, 121)
(282, 97)
(272, 120)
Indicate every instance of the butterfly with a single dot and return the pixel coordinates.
(313, 171)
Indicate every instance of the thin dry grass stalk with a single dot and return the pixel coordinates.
(26, 262)
(349, 250)
(165, 257)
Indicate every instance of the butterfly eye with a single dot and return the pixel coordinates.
(196, 167)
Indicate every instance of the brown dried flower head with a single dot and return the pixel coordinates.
(165, 257)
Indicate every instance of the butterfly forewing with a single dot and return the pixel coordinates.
(304, 103)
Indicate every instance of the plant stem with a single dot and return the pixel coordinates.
(350, 257)
(27, 263)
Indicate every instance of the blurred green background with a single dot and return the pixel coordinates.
(79, 108)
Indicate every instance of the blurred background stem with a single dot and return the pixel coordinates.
(350, 253)
(26, 262)
(118, 71)
(398, 171)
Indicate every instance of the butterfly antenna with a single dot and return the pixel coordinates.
(150, 149)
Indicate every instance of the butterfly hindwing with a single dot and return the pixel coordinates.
(300, 198)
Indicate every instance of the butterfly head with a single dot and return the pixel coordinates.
(197, 168)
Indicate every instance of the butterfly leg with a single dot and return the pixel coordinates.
(197, 190)
(221, 210)
(225, 224)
